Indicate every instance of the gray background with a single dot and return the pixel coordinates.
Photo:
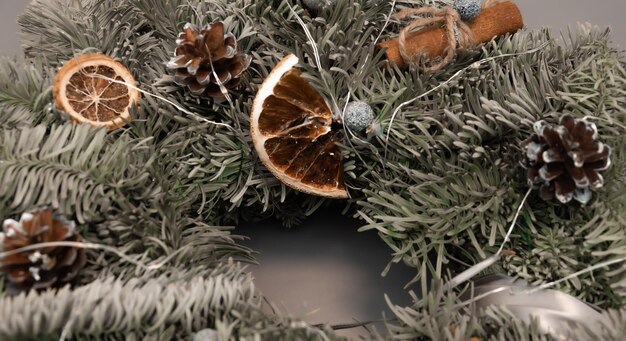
(537, 13)
(324, 271)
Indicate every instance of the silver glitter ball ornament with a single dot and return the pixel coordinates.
(316, 5)
(358, 116)
(468, 9)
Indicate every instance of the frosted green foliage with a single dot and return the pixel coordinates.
(455, 179)
(48, 165)
(172, 306)
(441, 191)
(25, 93)
(317, 5)
(439, 316)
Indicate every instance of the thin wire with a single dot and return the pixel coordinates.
(541, 287)
(519, 209)
(481, 296)
(349, 132)
(346, 129)
(487, 262)
(193, 9)
(93, 246)
(179, 107)
(393, 6)
(477, 268)
(586, 118)
(316, 54)
(474, 65)
(223, 89)
(578, 273)
(341, 326)
(362, 69)
(219, 82)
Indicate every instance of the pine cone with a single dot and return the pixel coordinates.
(566, 159)
(42, 268)
(201, 56)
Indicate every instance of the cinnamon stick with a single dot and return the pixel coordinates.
(493, 21)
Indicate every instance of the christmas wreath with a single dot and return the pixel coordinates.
(136, 133)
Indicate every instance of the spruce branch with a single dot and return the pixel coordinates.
(59, 29)
(449, 185)
(178, 299)
(25, 92)
(70, 167)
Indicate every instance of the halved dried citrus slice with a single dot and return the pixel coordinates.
(87, 98)
(291, 129)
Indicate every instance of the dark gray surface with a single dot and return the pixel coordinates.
(324, 270)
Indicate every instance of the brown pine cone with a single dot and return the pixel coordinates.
(44, 267)
(566, 159)
(207, 58)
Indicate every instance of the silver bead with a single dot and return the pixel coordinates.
(358, 116)
(468, 9)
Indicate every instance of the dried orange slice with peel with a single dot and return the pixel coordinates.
(90, 99)
(291, 130)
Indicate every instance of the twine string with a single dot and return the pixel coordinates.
(458, 33)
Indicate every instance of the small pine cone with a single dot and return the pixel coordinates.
(566, 159)
(44, 267)
(203, 55)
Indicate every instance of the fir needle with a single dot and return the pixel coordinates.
(474, 65)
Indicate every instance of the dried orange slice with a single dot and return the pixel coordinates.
(89, 99)
(291, 129)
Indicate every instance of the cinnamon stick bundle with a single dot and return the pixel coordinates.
(493, 21)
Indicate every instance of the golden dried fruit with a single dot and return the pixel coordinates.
(291, 130)
(88, 98)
